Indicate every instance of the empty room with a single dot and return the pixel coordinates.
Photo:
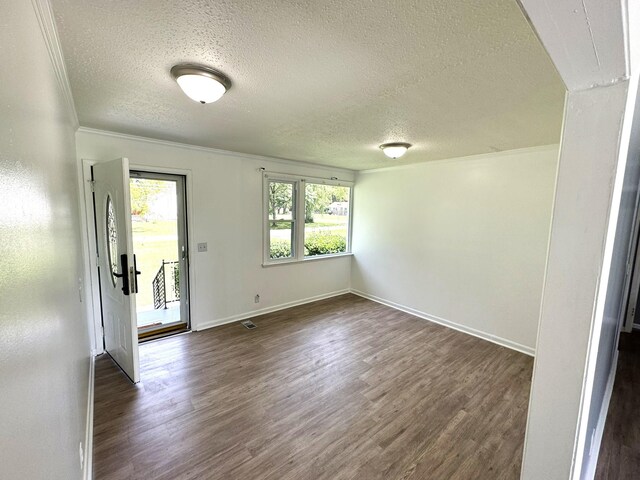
(319, 240)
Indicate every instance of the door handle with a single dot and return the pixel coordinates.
(136, 272)
(124, 266)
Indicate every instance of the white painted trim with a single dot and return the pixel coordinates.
(447, 323)
(262, 311)
(89, 245)
(590, 469)
(546, 265)
(275, 263)
(191, 239)
(466, 158)
(87, 469)
(215, 151)
(90, 248)
(624, 141)
(47, 23)
(432, 318)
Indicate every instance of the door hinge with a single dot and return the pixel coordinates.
(92, 184)
(102, 331)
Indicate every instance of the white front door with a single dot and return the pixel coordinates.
(116, 263)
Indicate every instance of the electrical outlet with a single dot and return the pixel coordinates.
(202, 247)
(256, 299)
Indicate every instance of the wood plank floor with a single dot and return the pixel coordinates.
(620, 450)
(344, 388)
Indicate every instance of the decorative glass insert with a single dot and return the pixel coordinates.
(112, 239)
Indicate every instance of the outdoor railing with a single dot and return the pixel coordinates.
(169, 271)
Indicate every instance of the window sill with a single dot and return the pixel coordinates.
(306, 259)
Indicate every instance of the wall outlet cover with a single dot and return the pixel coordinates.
(202, 247)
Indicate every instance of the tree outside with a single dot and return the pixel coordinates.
(155, 231)
(326, 218)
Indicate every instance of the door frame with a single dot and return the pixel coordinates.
(92, 285)
(632, 278)
(183, 218)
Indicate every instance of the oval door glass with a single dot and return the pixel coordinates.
(112, 239)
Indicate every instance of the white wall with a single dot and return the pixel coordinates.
(463, 240)
(226, 212)
(44, 346)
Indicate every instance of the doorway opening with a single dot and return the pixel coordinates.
(159, 233)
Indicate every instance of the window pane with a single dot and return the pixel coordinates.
(326, 219)
(280, 239)
(281, 219)
(281, 204)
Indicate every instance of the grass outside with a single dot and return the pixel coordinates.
(165, 227)
(152, 243)
(319, 220)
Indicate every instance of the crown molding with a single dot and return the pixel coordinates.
(467, 158)
(216, 151)
(47, 23)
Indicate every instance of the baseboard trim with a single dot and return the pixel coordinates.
(590, 469)
(447, 323)
(432, 318)
(262, 311)
(87, 463)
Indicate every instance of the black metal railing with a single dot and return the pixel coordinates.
(161, 294)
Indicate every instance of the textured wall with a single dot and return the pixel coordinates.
(43, 333)
(463, 239)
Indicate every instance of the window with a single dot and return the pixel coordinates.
(326, 219)
(281, 214)
(305, 218)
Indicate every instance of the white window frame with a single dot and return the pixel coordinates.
(299, 184)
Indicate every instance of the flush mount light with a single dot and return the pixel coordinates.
(395, 150)
(201, 84)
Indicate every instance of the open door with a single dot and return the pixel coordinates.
(116, 263)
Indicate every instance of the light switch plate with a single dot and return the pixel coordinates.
(202, 247)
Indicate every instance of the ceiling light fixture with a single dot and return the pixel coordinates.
(395, 150)
(201, 84)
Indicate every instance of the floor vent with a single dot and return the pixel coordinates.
(248, 324)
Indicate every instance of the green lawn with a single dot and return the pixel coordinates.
(319, 220)
(152, 243)
(166, 227)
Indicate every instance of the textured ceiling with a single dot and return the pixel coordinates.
(317, 81)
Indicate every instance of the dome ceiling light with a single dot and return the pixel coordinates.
(201, 84)
(395, 150)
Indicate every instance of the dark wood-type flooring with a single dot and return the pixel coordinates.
(344, 388)
(620, 449)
